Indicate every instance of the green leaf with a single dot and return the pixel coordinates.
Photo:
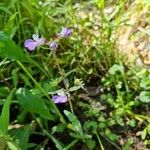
(4, 91)
(90, 143)
(15, 77)
(145, 83)
(33, 103)
(144, 133)
(5, 9)
(75, 88)
(113, 137)
(4, 118)
(21, 136)
(10, 50)
(132, 123)
(75, 122)
(59, 128)
(90, 125)
(145, 96)
(9, 28)
(12, 146)
(115, 68)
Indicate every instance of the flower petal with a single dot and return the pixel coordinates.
(41, 41)
(27, 42)
(65, 32)
(35, 37)
(53, 45)
(68, 32)
(63, 99)
(30, 44)
(59, 99)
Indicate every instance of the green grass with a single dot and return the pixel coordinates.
(108, 100)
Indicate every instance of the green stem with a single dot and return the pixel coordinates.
(64, 81)
(43, 91)
(37, 65)
(71, 144)
(125, 79)
(115, 145)
(139, 117)
(53, 139)
(99, 140)
(58, 145)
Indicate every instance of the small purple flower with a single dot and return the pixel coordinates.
(59, 98)
(53, 45)
(65, 32)
(32, 44)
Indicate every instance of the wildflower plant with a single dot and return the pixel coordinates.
(40, 86)
(32, 44)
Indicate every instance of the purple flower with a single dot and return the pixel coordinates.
(32, 44)
(53, 45)
(65, 32)
(59, 98)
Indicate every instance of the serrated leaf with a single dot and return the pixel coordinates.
(33, 103)
(115, 68)
(145, 83)
(145, 97)
(8, 49)
(90, 124)
(75, 122)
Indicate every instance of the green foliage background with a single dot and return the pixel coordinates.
(115, 117)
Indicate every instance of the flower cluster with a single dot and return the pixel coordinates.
(36, 41)
(31, 44)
